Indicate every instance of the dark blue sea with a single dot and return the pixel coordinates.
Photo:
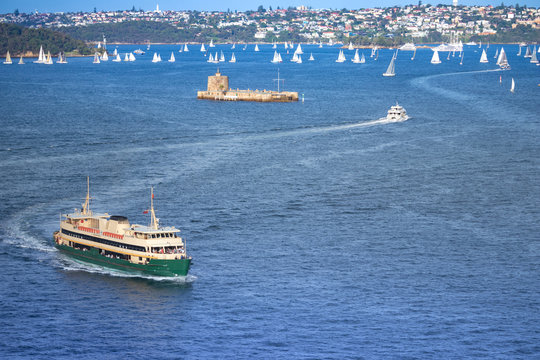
(315, 232)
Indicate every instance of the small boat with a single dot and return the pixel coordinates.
(139, 51)
(274, 46)
(435, 58)
(311, 58)
(115, 52)
(448, 58)
(233, 46)
(408, 47)
(117, 58)
(414, 54)
(277, 58)
(294, 58)
(8, 59)
(534, 59)
(391, 70)
(96, 58)
(181, 49)
(299, 50)
(147, 47)
(256, 47)
(210, 58)
(351, 47)
(461, 61)
(155, 59)
(131, 57)
(245, 47)
(502, 61)
(483, 58)
(104, 56)
(299, 60)
(356, 58)
(211, 44)
(222, 57)
(233, 58)
(396, 113)
(341, 57)
(519, 52)
(203, 49)
(376, 54)
(126, 58)
(41, 57)
(186, 49)
(320, 44)
(513, 87)
(48, 60)
(527, 52)
(21, 61)
(362, 59)
(172, 58)
(496, 54)
(61, 58)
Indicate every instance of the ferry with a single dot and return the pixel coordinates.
(111, 241)
(396, 113)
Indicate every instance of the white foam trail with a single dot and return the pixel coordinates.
(18, 236)
(70, 264)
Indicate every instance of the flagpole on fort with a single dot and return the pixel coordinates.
(278, 80)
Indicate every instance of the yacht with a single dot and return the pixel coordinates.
(396, 113)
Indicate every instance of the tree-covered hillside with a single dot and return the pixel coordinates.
(20, 40)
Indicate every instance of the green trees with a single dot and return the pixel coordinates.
(19, 40)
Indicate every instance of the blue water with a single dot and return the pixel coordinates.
(315, 233)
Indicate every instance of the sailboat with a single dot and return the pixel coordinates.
(362, 59)
(48, 59)
(461, 61)
(115, 52)
(126, 58)
(96, 58)
(203, 49)
(172, 58)
(356, 58)
(233, 46)
(376, 54)
(286, 45)
(222, 57)
(527, 52)
(61, 58)
(245, 47)
(448, 58)
(21, 61)
(211, 43)
(233, 58)
(513, 87)
(496, 54)
(277, 58)
(350, 46)
(210, 58)
(105, 56)
(534, 59)
(299, 50)
(391, 70)
(256, 47)
(117, 58)
(414, 54)
(155, 59)
(311, 58)
(8, 59)
(294, 58)
(435, 59)
(274, 46)
(41, 57)
(131, 57)
(502, 61)
(483, 58)
(519, 52)
(320, 44)
(299, 60)
(341, 57)
(186, 49)
(181, 49)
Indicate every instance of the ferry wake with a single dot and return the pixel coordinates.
(111, 241)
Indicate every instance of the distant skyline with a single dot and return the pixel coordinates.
(7, 6)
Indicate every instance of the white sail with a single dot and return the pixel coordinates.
(233, 46)
(96, 58)
(502, 61)
(299, 60)
(311, 58)
(351, 47)
(279, 58)
(356, 58)
(391, 70)
(527, 52)
(274, 46)
(275, 59)
(48, 60)
(105, 56)
(513, 87)
(159, 57)
(126, 58)
(8, 59)
(256, 47)
(341, 57)
(534, 59)
(186, 48)
(21, 61)
(211, 43)
(519, 52)
(299, 50)
(131, 57)
(115, 52)
(61, 58)
(41, 57)
(99, 45)
(483, 58)
(414, 54)
(203, 49)
(461, 61)
(222, 57)
(155, 58)
(320, 44)
(362, 59)
(210, 58)
(496, 54)
(233, 58)
(435, 59)
(295, 57)
(172, 58)
(117, 58)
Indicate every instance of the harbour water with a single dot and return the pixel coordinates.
(315, 232)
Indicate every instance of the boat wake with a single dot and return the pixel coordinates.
(67, 263)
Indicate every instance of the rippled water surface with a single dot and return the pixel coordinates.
(316, 232)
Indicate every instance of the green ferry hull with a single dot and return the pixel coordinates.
(156, 267)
